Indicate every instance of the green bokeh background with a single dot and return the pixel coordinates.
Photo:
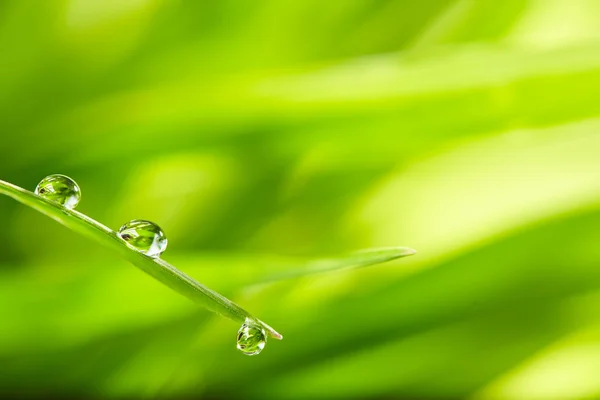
(261, 134)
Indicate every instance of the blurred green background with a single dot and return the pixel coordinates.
(261, 134)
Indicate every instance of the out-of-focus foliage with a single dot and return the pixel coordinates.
(259, 134)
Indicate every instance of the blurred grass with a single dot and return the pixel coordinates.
(261, 134)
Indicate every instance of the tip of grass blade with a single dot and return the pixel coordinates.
(357, 259)
(374, 256)
(387, 253)
(276, 335)
(404, 251)
(271, 332)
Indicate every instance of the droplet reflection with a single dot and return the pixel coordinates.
(251, 338)
(144, 236)
(60, 189)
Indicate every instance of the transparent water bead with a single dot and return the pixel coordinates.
(60, 189)
(251, 338)
(144, 236)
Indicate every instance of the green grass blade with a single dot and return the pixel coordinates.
(155, 267)
(358, 259)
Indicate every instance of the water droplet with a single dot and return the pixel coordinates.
(60, 189)
(144, 236)
(251, 338)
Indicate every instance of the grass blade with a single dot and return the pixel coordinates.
(155, 267)
(358, 259)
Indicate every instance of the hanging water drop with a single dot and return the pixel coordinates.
(144, 236)
(251, 338)
(60, 189)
